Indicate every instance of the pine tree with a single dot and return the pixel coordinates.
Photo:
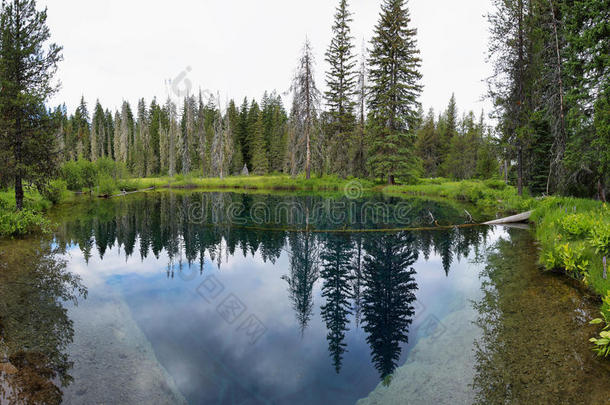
(508, 86)
(109, 141)
(260, 162)
(393, 96)
(232, 118)
(124, 133)
(428, 146)
(154, 133)
(141, 143)
(341, 82)
(358, 142)
(252, 121)
(117, 137)
(81, 126)
(447, 131)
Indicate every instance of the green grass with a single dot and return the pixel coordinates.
(582, 229)
(271, 183)
(490, 196)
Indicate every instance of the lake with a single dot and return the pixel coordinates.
(236, 298)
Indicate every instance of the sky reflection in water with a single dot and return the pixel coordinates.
(275, 316)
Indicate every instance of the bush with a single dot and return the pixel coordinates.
(600, 239)
(106, 184)
(495, 184)
(56, 191)
(70, 172)
(22, 222)
(88, 173)
(83, 173)
(576, 225)
(571, 258)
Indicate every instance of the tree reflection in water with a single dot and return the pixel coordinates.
(366, 278)
(35, 330)
(388, 296)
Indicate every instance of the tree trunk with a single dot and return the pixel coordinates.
(18, 192)
(601, 191)
(308, 157)
(391, 180)
(520, 170)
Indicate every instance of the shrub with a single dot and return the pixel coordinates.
(70, 172)
(495, 184)
(17, 223)
(600, 239)
(576, 225)
(88, 173)
(55, 191)
(106, 184)
(568, 257)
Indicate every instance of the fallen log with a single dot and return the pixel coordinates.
(125, 193)
(523, 217)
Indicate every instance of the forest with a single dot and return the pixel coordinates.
(548, 132)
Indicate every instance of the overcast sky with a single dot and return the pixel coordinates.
(118, 49)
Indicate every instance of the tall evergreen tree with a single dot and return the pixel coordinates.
(341, 83)
(393, 96)
(27, 66)
(428, 146)
(98, 132)
(260, 162)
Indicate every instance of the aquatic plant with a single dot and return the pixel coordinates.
(602, 344)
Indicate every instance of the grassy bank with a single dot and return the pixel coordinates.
(270, 182)
(492, 197)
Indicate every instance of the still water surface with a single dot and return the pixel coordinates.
(222, 298)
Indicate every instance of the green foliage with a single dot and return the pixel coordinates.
(24, 222)
(600, 239)
(576, 225)
(394, 75)
(28, 62)
(106, 185)
(259, 161)
(489, 199)
(85, 174)
(583, 225)
(495, 184)
(573, 261)
(56, 191)
(602, 344)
